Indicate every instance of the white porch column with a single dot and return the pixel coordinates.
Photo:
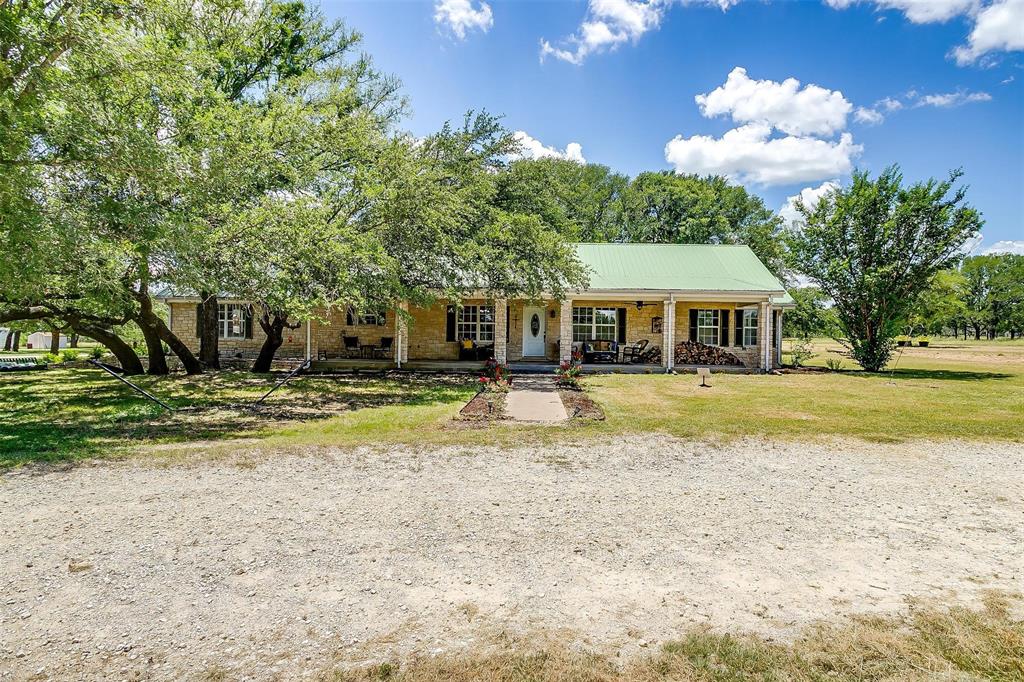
(401, 335)
(501, 330)
(313, 341)
(565, 332)
(668, 326)
(778, 340)
(765, 339)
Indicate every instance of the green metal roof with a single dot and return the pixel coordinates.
(676, 267)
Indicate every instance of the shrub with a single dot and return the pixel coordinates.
(69, 355)
(495, 377)
(567, 375)
(96, 353)
(834, 364)
(49, 359)
(802, 351)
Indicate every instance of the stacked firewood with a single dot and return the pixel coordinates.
(693, 353)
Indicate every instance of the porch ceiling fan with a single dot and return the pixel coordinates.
(640, 304)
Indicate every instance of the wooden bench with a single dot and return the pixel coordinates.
(19, 363)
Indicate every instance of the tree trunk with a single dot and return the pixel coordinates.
(54, 340)
(147, 319)
(16, 342)
(209, 349)
(154, 349)
(273, 327)
(977, 332)
(130, 362)
(73, 340)
(8, 340)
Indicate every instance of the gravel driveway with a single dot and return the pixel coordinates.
(283, 567)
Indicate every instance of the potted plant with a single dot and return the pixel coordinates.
(903, 340)
(923, 341)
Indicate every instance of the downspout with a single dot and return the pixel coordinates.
(398, 341)
(309, 340)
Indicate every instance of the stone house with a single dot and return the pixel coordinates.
(721, 296)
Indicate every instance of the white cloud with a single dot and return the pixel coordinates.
(811, 110)
(998, 27)
(809, 196)
(462, 16)
(531, 148)
(951, 99)
(610, 23)
(1015, 246)
(969, 247)
(868, 116)
(748, 154)
(917, 11)
(890, 104)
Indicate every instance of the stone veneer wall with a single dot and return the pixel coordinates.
(183, 324)
(427, 329)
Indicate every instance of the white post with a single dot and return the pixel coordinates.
(401, 335)
(667, 329)
(778, 340)
(766, 336)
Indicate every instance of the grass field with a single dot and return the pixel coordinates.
(954, 389)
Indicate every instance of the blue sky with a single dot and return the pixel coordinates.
(932, 86)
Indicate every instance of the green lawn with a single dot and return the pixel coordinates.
(952, 389)
(955, 389)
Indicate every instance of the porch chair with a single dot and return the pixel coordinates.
(351, 346)
(634, 352)
(384, 349)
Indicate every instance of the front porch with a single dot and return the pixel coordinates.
(522, 367)
(613, 333)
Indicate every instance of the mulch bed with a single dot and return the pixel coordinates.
(485, 406)
(579, 405)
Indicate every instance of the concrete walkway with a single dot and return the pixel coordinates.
(534, 400)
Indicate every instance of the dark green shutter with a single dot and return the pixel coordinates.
(740, 321)
(621, 319)
(693, 324)
(350, 318)
(508, 327)
(450, 326)
(723, 327)
(247, 321)
(199, 320)
(775, 326)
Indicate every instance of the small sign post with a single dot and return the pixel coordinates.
(704, 373)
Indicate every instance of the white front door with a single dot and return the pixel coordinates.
(533, 332)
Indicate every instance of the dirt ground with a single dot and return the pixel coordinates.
(281, 566)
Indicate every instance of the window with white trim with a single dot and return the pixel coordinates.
(594, 324)
(232, 319)
(475, 322)
(707, 327)
(750, 327)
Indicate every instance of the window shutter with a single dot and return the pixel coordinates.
(450, 327)
(740, 321)
(775, 327)
(723, 328)
(199, 320)
(693, 324)
(350, 318)
(621, 319)
(247, 321)
(508, 327)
